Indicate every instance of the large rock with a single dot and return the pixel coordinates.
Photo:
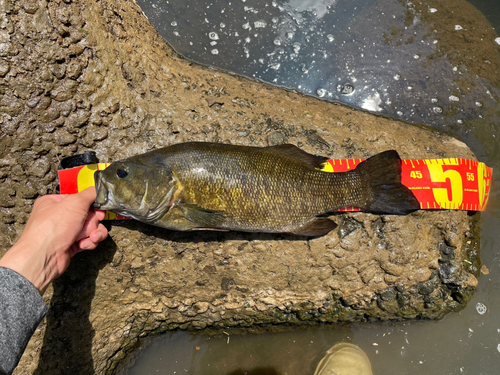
(95, 75)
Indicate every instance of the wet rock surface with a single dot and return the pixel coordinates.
(78, 76)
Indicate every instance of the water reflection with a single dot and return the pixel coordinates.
(386, 56)
(286, 351)
(434, 64)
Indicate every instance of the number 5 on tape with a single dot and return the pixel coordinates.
(458, 184)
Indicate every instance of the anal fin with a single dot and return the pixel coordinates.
(318, 226)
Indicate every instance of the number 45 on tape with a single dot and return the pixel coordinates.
(457, 184)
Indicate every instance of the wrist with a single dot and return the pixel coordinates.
(29, 261)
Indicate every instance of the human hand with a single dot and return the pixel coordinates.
(59, 227)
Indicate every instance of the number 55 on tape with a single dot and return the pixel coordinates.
(457, 184)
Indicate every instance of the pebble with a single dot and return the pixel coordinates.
(275, 139)
(27, 192)
(74, 70)
(65, 90)
(11, 106)
(4, 68)
(40, 168)
(315, 139)
(452, 239)
(75, 37)
(114, 108)
(30, 7)
(43, 103)
(62, 15)
(33, 102)
(62, 137)
(66, 108)
(58, 70)
(56, 53)
(5, 197)
(427, 288)
(393, 269)
(49, 115)
(6, 202)
(201, 307)
(8, 217)
(17, 170)
(79, 118)
(97, 133)
(485, 270)
(76, 49)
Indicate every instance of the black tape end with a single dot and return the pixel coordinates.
(88, 157)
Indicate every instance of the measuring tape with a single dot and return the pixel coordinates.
(74, 180)
(449, 184)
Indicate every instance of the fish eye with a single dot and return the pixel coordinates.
(122, 172)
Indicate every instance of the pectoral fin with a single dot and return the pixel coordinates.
(318, 226)
(200, 217)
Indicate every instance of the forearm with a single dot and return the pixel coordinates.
(21, 310)
(32, 260)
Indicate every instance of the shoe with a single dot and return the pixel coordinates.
(344, 359)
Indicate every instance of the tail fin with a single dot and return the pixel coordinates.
(382, 174)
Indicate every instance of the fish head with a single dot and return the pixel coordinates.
(135, 189)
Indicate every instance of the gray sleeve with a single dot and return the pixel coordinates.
(21, 309)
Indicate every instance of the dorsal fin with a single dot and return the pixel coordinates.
(292, 151)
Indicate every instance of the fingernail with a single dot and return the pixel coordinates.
(100, 237)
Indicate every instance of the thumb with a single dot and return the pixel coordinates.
(85, 197)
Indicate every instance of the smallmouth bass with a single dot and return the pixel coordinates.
(279, 189)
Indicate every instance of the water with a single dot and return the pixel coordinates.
(378, 56)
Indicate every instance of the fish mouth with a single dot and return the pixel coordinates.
(101, 192)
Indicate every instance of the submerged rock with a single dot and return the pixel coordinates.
(125, 91)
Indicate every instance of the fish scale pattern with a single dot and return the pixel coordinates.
(259, 189)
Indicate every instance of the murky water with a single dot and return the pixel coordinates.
(376, 55)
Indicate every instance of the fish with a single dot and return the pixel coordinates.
(279, 189)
